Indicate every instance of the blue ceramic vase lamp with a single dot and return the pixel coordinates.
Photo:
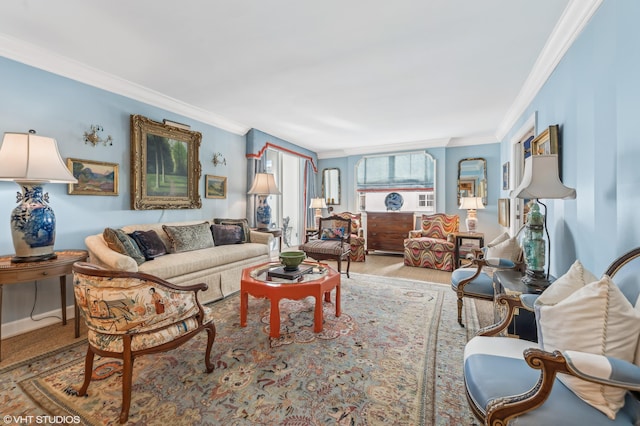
(264, 185)
(32, 161)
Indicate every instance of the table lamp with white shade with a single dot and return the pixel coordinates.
(264, 184)
(318, 204)
(32, 161)
(471, 204)
(541, 179)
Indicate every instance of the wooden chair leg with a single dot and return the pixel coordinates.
(348, 264)
(88, 370)
(127, 377)
(211, 336)
(339, 265)
(460, 311)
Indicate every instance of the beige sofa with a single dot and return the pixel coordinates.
(219, 267)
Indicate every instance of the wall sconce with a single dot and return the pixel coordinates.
(94, 138)
(218, 159)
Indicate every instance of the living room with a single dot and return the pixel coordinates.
(591, 92)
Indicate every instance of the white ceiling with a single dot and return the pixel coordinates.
(333, 76)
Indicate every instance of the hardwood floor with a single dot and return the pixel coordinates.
(46, 339)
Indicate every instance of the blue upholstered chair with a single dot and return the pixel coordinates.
(511, 381)
(475, 280)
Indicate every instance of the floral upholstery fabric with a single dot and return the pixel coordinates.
(357, 240)
(152, 313)
(432, 246)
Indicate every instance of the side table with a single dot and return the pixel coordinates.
(459, 243)
(276, 232)
(60, 266)
(523, 325)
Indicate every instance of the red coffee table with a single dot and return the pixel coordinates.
(256, 282)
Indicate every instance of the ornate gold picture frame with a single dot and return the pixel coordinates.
(165, 166)
(546, 142)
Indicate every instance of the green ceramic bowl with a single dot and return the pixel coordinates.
(291, 259)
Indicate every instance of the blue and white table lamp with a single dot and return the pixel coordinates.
(264, 185)
(32, 161)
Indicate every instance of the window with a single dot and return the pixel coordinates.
(412, 175)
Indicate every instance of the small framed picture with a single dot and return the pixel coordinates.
(503, 212)
(505, 176)
(94, 177)
(215, 186)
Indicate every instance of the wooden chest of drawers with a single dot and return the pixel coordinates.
(386, 231)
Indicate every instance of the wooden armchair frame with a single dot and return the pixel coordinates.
(501, 410)
(337, 249)
(128, 355)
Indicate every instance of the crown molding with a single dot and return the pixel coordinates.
(37, 57)
(574, 18)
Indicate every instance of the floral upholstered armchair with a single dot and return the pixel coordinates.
(129, 314)
(433, 245)
(356, 240)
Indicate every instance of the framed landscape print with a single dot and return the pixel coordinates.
(165, 166)
(94, 177)
(215, 186)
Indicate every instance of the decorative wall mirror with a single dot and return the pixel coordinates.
(472, 178)
(331, 186)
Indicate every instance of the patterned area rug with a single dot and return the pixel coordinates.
(394, 356)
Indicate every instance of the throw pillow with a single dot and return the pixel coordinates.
(118, 241)
(243, 223)
(332, 233)
(150, 244)
(226, 234)
(189, 237)
(500, 238)
(578, 314)
(507, 249)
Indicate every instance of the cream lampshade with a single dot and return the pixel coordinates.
(541, 179)
(318, 204)
(471, 204)
(31, 161)
(264, 184)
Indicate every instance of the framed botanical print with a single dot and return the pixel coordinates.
(94, 177)
(165, 166)
(215, 186)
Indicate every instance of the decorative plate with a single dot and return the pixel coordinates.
(393, 201)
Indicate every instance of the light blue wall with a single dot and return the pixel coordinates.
(446, 182)
(64, 109)
(594, 95)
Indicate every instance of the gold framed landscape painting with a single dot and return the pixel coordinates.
(165, 166)
(94, 177)
(215, 186)
(503, 212)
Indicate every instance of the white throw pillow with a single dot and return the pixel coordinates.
(507, 249)
(581, 314)
(497, 240)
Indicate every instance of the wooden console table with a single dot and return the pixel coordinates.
(13, 273)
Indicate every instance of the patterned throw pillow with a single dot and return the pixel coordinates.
(226, 234)
(189, 237)
(243, 223)
(120, 242)
(332, 233)
(149, 243)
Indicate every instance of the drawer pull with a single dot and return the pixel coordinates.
(45, 273)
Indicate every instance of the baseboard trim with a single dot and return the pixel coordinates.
(44, 319)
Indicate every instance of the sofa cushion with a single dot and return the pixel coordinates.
(119, 241)
(226, 234)
(149, 243)
(243, 223)
(578, 314)
(189, 237)
(184, 263)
